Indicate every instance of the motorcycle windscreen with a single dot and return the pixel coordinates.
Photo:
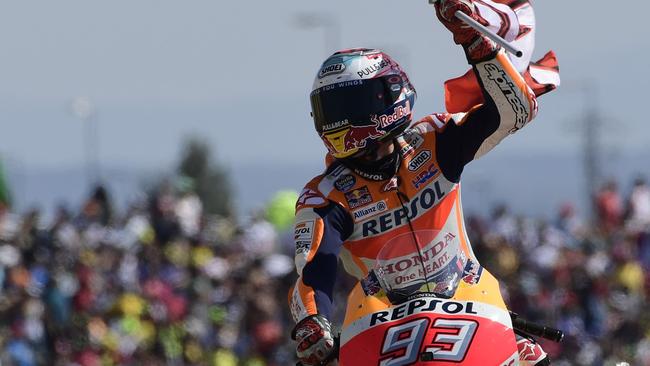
(424, 261)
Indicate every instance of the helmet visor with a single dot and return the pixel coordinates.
(353, 102)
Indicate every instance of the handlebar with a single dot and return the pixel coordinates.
(536, 330)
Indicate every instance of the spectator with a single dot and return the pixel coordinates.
(639, 205)
(609, 206)
(189, 208)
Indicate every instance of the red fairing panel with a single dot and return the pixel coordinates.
(452, 332)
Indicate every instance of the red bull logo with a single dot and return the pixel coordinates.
(358, 197)
(349, 140)
(386, 120)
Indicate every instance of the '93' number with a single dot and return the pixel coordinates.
(451, 341)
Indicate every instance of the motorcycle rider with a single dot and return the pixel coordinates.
(385, 178)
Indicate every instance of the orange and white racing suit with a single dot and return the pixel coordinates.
(341, 214)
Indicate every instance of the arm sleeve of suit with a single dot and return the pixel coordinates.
(509, 105)
(319, 235)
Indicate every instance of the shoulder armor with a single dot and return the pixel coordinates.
(316, 193)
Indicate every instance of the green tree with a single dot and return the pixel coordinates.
(5, 196)
(211, 181)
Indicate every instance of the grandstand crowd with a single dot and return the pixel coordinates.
(164, 284)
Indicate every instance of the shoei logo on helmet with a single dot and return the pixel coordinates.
(399, 112)
(331, 69)
(349, 140)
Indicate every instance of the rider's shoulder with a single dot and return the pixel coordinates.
(319, 191)
(437, 122)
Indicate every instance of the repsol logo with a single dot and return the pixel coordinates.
(427, 198)
(422, 305)
(499, 77)
(375, 177)
(419, 160)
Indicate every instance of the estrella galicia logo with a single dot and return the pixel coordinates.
(358, 197)
(418, 161)
(345, 183)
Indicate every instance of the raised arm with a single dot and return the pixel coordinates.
(509, 103)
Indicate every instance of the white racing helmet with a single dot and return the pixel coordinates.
(359, 97)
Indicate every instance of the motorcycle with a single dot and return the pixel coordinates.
(427, 301)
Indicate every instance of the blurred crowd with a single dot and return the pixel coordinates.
(165, 284)
(590, 279)
(162, 284)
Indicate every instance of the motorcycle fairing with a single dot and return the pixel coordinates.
(471, 328)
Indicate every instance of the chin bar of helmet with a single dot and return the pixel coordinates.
(485, 31)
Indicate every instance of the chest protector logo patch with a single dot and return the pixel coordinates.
(419, 160)
(370, 210)
(358, 197)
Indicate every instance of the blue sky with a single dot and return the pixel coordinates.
(238, 74)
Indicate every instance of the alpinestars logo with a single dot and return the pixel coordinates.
(502, 80)
(310, 197)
